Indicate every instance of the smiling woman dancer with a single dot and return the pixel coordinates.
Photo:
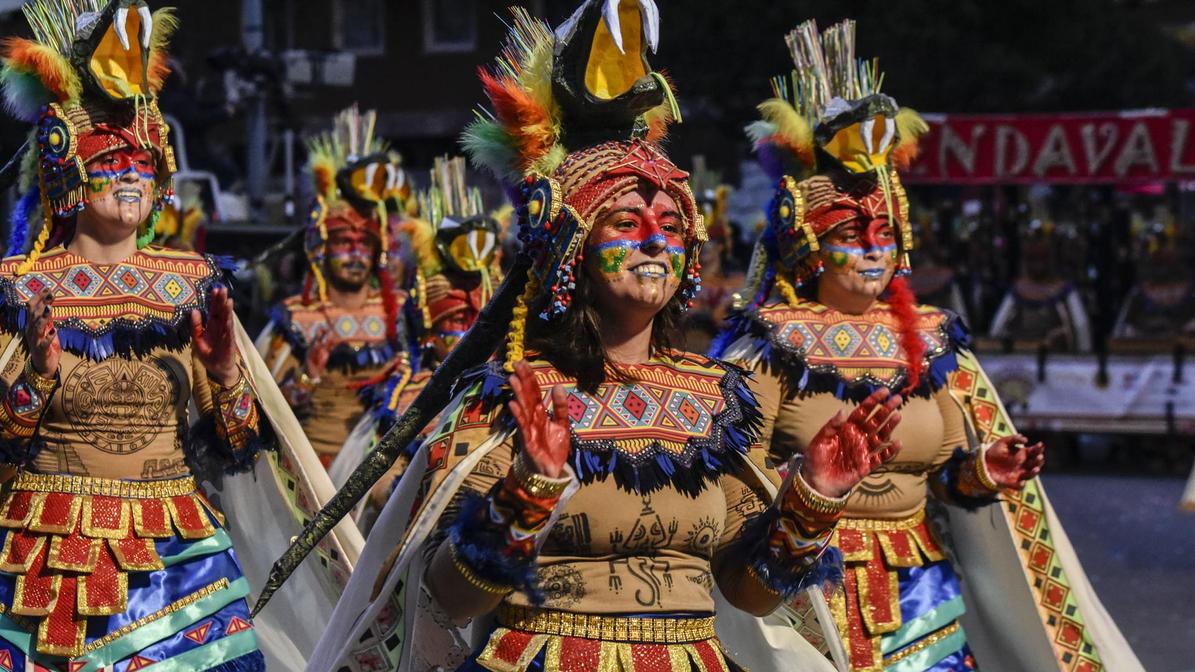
(112, 559)
(589, 490)
(842, 325)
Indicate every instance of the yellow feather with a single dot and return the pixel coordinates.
(789, 123)
(909, 125)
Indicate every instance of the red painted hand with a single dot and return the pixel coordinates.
(849, 447)
(545, 440)
(319, 353)
(1011, 463)
(213, 342)
(41, 337)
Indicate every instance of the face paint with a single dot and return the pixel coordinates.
(612, 255)
(120, 188)
(840, 255)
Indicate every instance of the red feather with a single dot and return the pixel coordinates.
(904, 305)
(521, 115)
(159, 70)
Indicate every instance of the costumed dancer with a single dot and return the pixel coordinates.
(345, 328)
(112, 558)
(452, 249)
(586, 493)
(825, 322)
(1043, 308)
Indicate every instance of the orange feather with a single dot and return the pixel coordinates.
(47, 64)
(525, 119)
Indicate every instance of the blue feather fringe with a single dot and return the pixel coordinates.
(790, 363)
(210, 457)
(18, 223)
(480, 545)
(732, 433)
(121, 336)
(786, 576)
(948, 488)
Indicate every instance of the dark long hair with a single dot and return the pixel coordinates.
(573, 341)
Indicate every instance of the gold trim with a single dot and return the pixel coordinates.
(55, 560)
(190, 533)
(122, 589)
(43, 385)
(18, 603)
(536, 484)
(488, 657)
(142, 530)
(815, 501)
(107, 639)
(882, 525)
(607, 628)
(981, 471)
(43, 636)
(39, 506)
(110, 487)
(472, 577)
(6, 519)
(13, 568)
(128, 565)
(875, 627)
(89, 529)
(923, 643)
(894, 559)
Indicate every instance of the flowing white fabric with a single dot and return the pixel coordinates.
(262, 522)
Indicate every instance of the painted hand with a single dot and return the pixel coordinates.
(41, 337)
(1011, 463)
(849, 447)
(545, 439)
(319, 353)
(213, 342)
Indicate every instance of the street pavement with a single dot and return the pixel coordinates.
(1139, 552)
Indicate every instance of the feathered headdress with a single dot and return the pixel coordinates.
(358, 182)
(577, 115)
(88, 79)
(828, 123)
(455, 244)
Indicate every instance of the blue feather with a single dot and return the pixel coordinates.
(18, 223)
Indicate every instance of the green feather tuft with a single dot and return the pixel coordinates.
(489, 145)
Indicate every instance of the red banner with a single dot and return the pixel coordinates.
(1110, 148)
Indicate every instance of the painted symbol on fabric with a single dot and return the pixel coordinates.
(701, 536)
(648, 534)
(173, 289)
(130, 280)
(139, 662)
(83, 282)
(570, 533)
(563, 585)
(120, 405)
(198, 634)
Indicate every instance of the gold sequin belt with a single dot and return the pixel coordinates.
(880, 524)
(111, 487)
(666, 630)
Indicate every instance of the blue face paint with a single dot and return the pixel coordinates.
(611, 255)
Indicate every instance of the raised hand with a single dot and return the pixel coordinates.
(849, 447)
(319, 353)
(213, 342)
(1010, 463)
(545, 439)
(41, 337)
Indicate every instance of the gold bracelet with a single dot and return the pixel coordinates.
(981, 472)
(536, 484)
(814, 500)
(41, 384)
(472, 577)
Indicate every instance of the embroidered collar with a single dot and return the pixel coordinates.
(685, 420)
(822, 350)
(361, 333)
(126, 308)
